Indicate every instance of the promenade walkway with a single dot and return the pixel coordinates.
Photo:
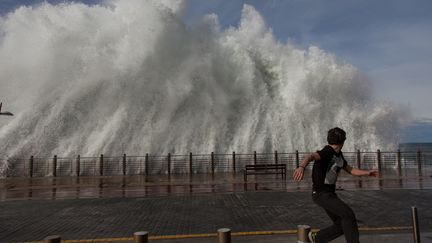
(114, 211)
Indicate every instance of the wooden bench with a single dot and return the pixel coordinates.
(265, 169)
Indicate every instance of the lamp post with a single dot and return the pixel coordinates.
(6, 113)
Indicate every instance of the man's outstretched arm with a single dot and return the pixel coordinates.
(299, 172)
(358, 172)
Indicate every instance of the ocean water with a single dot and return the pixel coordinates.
(131, 77)
(413, 147)
(418, 132)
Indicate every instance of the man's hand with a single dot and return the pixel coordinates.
(373, 173)
(298, 174)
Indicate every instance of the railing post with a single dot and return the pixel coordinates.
(54, 166)
(297, 159)
(212, 163)
(398, 159)
(416, 229)
(190, 163)
(302, 233)
(234, 162)
(146, 162)
(124, 164)
(419, 162)
(53, 239)
(224, 235)
(255, 158)
(276, 157)
(141, 237)
(101, 160)
(169, 164)
(358, 159)
(31, 166)
(7, 169)
(78, 165)
(379, 160)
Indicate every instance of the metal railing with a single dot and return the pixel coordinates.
(198, 163)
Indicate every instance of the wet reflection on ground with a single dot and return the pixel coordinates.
(140, 185)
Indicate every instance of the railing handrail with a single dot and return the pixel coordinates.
(195, 163)
(209, 154)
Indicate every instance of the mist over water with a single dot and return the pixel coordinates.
(131, 77)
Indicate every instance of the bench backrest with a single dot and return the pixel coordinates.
(265, 166)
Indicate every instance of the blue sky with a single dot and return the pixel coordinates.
(388, 40)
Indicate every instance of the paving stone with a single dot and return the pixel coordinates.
(33, 220)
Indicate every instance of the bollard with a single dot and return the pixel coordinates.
(255, 158)
(141, 237)
(53, 239)
(224, 235)
(416, 230)
(302, 233)
(276, 157)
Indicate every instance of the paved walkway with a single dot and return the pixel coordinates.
(112, 208)
(144, 186)
(31, 220)
(366, 238)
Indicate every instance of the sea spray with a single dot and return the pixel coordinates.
(131, 77)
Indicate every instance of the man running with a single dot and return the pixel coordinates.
(328, 162)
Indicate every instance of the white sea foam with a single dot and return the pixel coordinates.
(131, 77)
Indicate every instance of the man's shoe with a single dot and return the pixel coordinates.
(312, 237)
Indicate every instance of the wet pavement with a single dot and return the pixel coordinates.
(382, 237)
(203, 213)
(115, 207)
(141, 186)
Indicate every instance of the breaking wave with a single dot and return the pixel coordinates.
(131, 77)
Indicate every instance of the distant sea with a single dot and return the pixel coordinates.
(411, 147)
(418, 134)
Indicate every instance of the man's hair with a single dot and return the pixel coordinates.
(336, 136)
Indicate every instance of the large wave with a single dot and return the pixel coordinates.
(131, 77)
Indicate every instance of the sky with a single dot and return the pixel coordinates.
(388, 40)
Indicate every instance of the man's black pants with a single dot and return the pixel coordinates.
(344, 221)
